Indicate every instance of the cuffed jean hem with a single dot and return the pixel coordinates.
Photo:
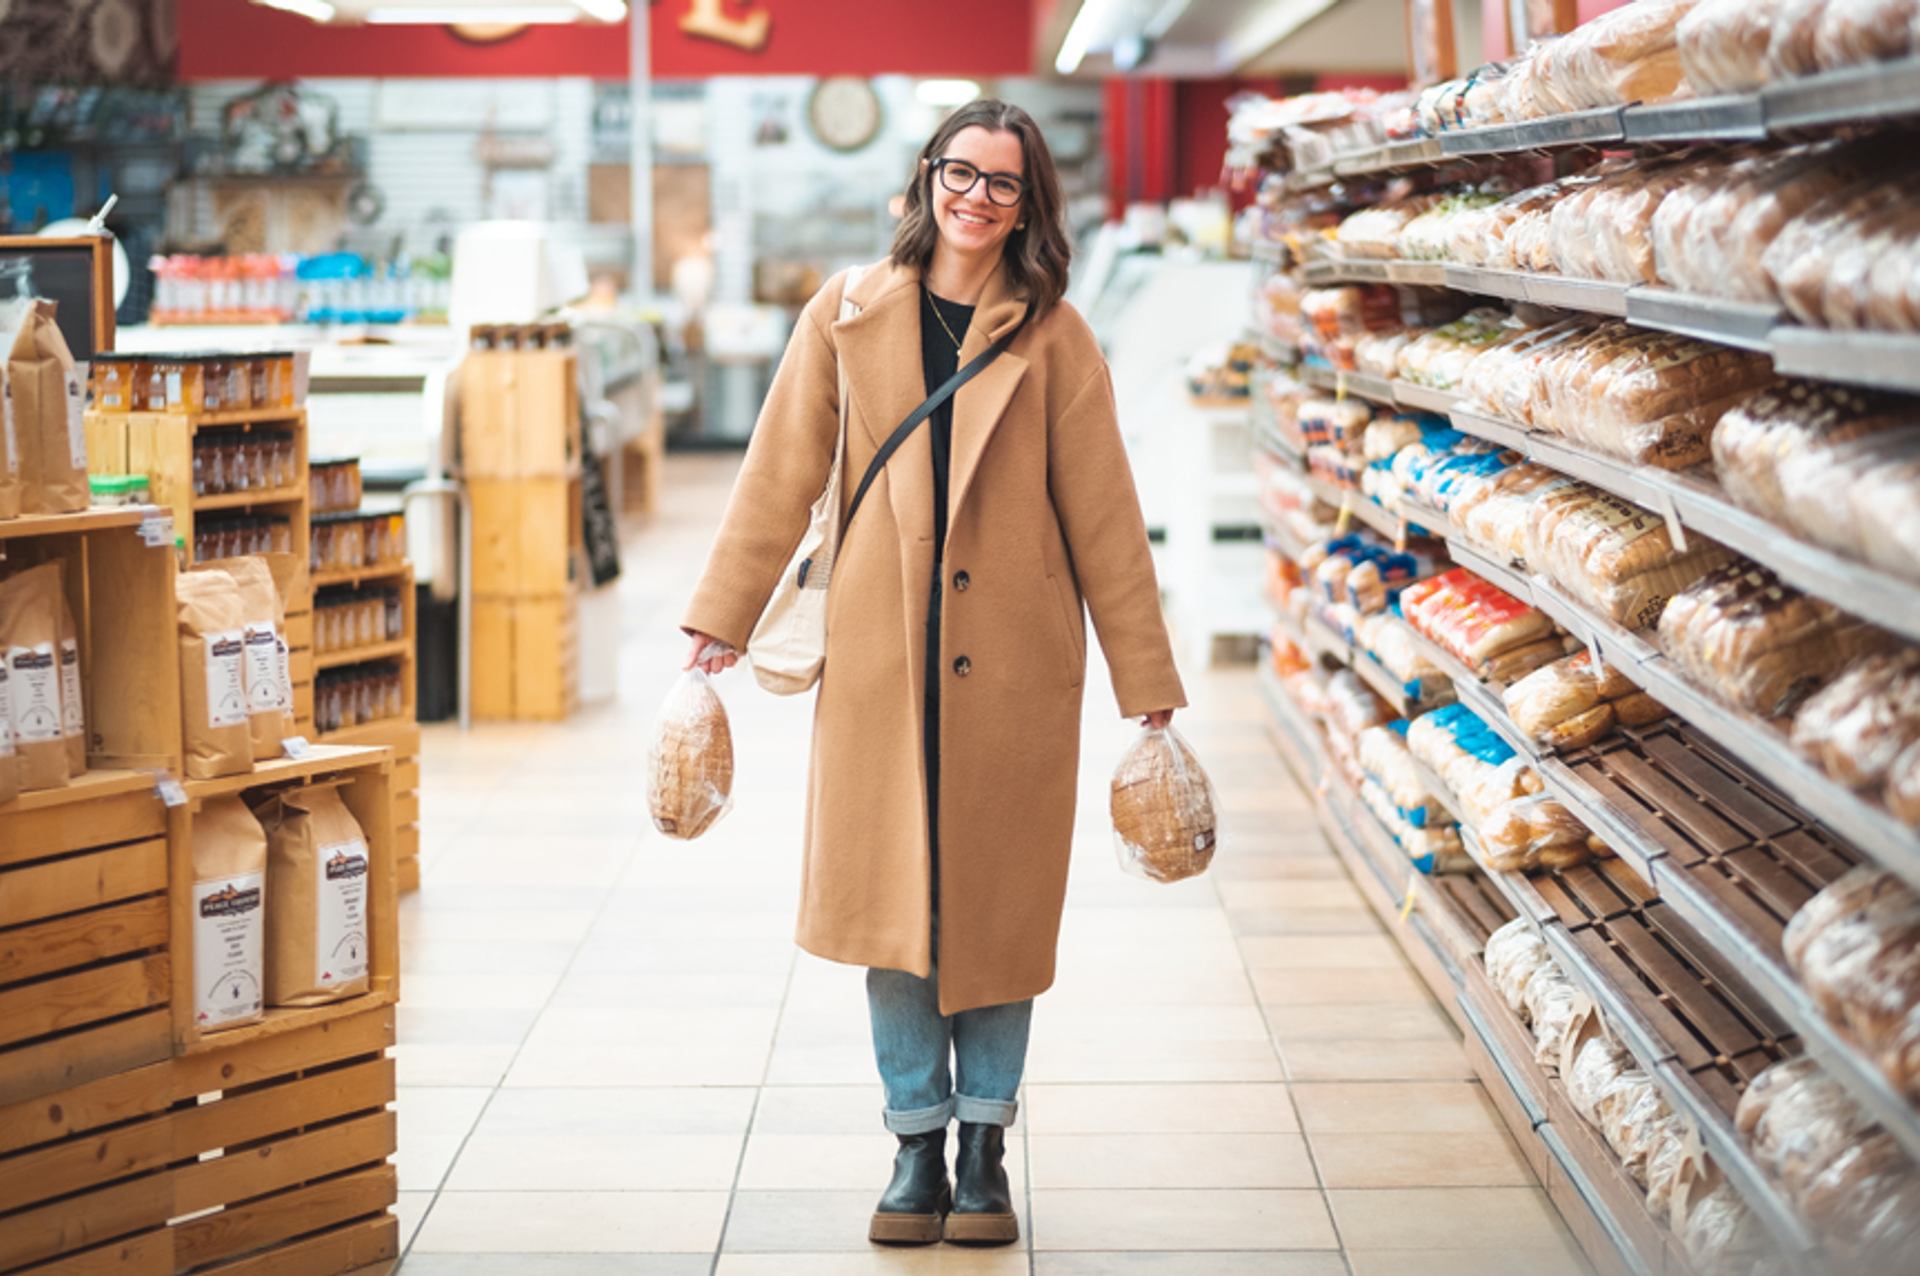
(919, 1120)
(1000, 1112)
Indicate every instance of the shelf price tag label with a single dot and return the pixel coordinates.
(1406, 905)
(1400, 536)
(1340, 386)
(156, 529)
(1345, 520)
(1676, 531)
(170, 791)
(297, 748)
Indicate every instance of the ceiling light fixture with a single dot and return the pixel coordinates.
(1162, 21)
(312, 10)
(480, 14)
(1079, 37)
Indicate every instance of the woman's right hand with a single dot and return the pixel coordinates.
(723, 657)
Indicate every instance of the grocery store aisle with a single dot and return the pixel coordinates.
(612, 1058)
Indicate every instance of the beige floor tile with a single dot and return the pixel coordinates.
(1153, 1060)
(1294, 895)
(1329, 952)
(582, 1162)
(1181, 1220)
(840, 1162)
(935, 1260)
(481, 957)
(1263, 866)
(1263, 922)
(1262, 1263)
(573, 1222)
(1559, 1261)
(724, 1046)
(1171, 1161)
(410, 1208)
(1446, 1218)
(1280, 987)
(495, 991)
(1345, 1060)
(1486, 1159)
(1411, 1107)
(454, 1064)
(658, 990)
(827, 1109)
(440, 1109)
(1404, 1021)
(1174, 984)
(419, 1264)
(635, 1113)
(423, 1160)
(1160, 1109)
(807, 1222)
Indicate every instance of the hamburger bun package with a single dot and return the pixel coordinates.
(229, 907)
(267, 672)
(49, 407)
(690, 763)
(1164, 827)
(30, 606)
(213, 680)
(317, 880)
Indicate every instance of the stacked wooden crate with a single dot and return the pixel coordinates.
(520, 456)
(129, 1142)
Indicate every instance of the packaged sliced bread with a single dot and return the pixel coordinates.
(690, 763)
(1164, 827)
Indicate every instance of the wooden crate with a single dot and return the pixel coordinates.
(404, 739)
(84, 973)
(526, 533)
(269, 1155)
(526, 658)
(519, 414)
(366, 776)
(160, 445)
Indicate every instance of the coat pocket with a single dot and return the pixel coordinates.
(1071, 637)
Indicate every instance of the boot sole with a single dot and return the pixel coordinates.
(904, 1229)
(983, 1229)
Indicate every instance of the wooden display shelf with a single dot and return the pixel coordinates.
(271, 1151)
(361, 575)
(365, 780)
(94, 786)
(395, 649)
(250, 499)
(98, 518)
(210, 420)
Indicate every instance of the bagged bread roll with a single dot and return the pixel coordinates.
(318, 874)
(690, 763)
(269, 687)
(1164, 827)
(49, 405)
(1554, 1005)
(213, 681)
(1851, 892)
(1533, 832)
(1903, 786)
(30, 605)
(1723, 45)
(1513, 954)
(1858, 724)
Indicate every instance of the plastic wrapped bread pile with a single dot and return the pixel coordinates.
(1863, 729)
(1612, 555)
(1735, 46)
(1839, 467)
(1572, 703)
(1856, 948)
(1488, 630)
(1394, 793)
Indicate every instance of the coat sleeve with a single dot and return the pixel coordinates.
(1099, 511)
(786, 467)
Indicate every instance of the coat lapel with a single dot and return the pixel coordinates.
(981, 402)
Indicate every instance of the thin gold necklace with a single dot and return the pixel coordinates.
(935, 307)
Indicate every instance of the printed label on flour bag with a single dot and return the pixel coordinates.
(13, 433)
(73, 717)
(228, 948)
(226, 678)
(285, 670)
(267, 691)
(340, 938)
(76, 419)
(6, 698)
(36, 693)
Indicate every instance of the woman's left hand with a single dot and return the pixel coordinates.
(1158, 719)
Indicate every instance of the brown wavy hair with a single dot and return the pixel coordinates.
(1037, 256)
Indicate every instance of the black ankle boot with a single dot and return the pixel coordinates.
(982, 1200)
(911, 1209)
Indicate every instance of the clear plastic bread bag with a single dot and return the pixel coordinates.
(1164, 824)
(1723, 45)
(1856, 31)
(690, 762)
(1857, 724)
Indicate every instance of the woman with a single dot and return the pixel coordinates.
(946, 733)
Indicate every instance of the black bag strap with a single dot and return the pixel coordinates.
(925, 410)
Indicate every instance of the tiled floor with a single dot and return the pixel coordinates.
(613, 1060)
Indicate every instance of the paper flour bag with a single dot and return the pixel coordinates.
(9, 760)
(229, 910)
(9, 440)
(49, 407)
(73, 702)
(30, 639)
(266, 667)
(317, 886)
(213, 680)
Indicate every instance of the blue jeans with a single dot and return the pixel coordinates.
(912, 1042)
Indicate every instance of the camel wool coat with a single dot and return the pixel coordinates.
(1043, 519)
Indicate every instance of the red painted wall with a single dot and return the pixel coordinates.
(234, 39)
(1200, 109)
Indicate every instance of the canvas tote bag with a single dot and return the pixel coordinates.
(789, 645)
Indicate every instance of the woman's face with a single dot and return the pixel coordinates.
(972, 223)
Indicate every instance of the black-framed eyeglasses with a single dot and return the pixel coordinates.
(958, 176)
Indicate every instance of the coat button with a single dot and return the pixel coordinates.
(962, 666)
(961, 580)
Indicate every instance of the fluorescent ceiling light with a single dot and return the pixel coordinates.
(604, 10)
(946, 92)
(479, 14)
(1079, 37)
(315, 10)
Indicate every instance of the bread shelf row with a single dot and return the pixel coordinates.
(1687, 501)
(1851, 95)
(1881, 360)
(1449, 917)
